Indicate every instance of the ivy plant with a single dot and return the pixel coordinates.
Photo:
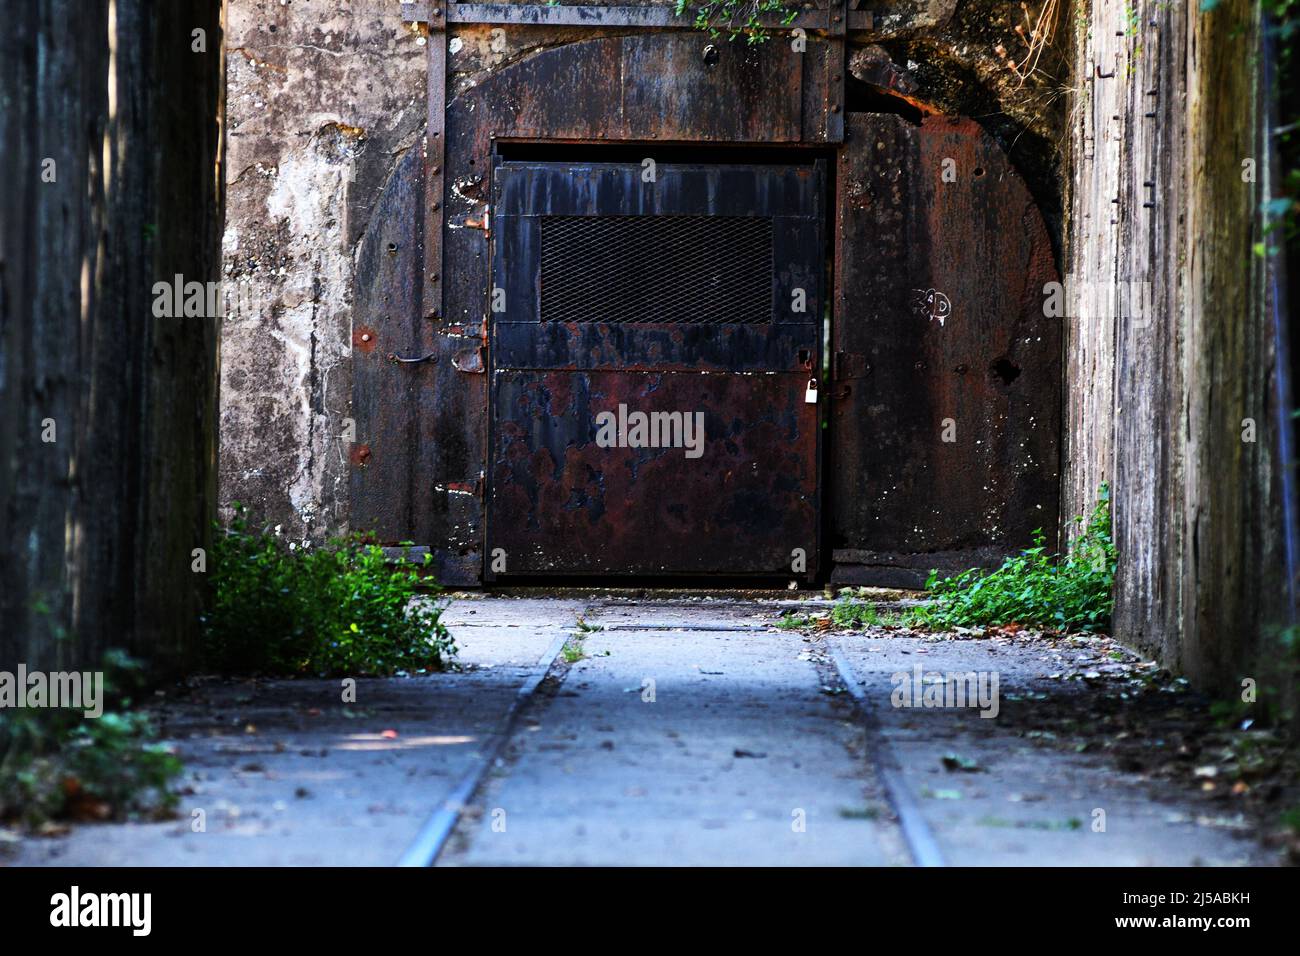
(738, 18)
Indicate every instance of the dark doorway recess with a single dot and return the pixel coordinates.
(860, 97)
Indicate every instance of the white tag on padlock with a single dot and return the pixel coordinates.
(810, 396)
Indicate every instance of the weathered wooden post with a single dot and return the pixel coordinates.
(110, 150)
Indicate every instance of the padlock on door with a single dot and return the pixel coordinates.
(810, 396)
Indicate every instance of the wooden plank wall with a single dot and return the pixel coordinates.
(1169, 344)
(97, 526)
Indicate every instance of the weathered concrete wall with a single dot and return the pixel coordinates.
(323, 103)
(1170, 352)
(323, 100)
(110, 148)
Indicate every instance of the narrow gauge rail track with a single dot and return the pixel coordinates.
(915, 832)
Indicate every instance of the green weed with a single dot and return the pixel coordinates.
(737, 18)
(1072, 592)
(341, 609)
(58, 763)
(789, 621)
(573, 650)
(853, 613)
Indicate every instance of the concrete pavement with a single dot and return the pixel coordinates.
(684, 731)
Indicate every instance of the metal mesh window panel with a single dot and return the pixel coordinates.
(697, 269)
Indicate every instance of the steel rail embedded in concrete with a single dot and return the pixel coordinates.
(916, 832)
(429, 842)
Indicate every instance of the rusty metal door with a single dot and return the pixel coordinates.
(946, 391)
(655, 334)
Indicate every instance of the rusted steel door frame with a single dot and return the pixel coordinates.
(620, 15)
(434, 160)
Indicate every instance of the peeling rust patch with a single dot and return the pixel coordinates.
(364, 338)
(470, 361)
